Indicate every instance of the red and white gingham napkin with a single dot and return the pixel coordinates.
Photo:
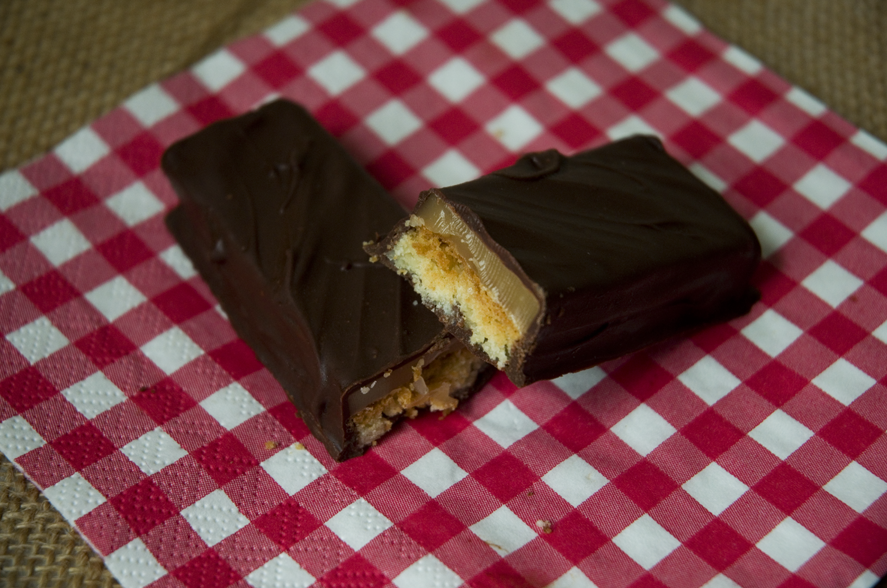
(751, 454)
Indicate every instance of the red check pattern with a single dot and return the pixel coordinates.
(751, 454)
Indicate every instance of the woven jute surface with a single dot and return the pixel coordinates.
(64, 63)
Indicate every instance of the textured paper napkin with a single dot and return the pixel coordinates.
(752, 453)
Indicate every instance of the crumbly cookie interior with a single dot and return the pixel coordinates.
(434, 387)
(448, 283)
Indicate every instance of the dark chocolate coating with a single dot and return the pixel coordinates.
(622, 244)
(273, 214)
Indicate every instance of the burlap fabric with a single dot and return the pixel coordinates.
(63, 64)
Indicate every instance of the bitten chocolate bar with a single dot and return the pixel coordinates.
(558, 263)
(273, 214)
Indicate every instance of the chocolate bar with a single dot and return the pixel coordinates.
(557, 263)
(273, 214)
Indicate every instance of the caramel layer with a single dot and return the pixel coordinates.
(455, 272)
(432, 388)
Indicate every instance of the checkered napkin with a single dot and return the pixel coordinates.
(750, 454)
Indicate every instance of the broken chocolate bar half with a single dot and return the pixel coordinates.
(273, 214)
(557, 263)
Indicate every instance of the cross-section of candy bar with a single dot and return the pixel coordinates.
(557, 263)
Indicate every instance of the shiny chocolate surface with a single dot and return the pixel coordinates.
(273, 214)
(622, 244)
